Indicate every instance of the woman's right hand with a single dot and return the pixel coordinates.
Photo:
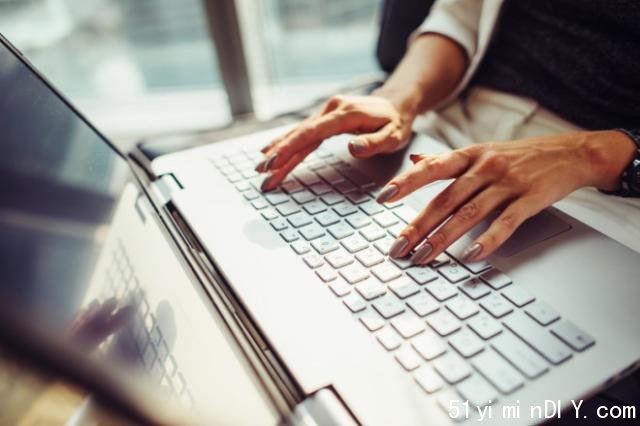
(381, 127)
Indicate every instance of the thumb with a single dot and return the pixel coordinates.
(386, 140)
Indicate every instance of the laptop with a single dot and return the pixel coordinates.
(284, 307)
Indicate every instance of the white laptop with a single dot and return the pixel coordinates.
(285, 306)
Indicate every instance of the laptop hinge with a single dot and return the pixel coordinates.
(321, 408)
(164, 187)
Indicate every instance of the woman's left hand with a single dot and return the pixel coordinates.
(520, 178)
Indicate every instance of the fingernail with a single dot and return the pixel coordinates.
(471, 252)
(357, 146)
(415, 157)
(260, 167)
(421, 253)
(387, 193)
(398, 247)
(269, 161)
(265, 183)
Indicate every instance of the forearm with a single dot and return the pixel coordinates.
(428, 73)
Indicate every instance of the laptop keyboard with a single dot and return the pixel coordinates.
(142, 340)
(461, 330)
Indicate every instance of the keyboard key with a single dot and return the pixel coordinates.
(422, 274)
(388, 306)
(443, 322)
(259, 204)
(325, 245)
(423, 304)
(496, 305)
(495, 279)
(326, 273)
(372, 232)
(345, 187)
(406, 213)
(396, 230)
(389, 338)
(289, 235)
(408, 325)
(369, 257)
(234, 177)
(330, 174)
(320, 188)
(332, 198)
(453, 272)
(327, 218)
(386, 272)
(520, 355)
(251, 194)
(358, 197)
(542, 312)
(314, 207)
(354, 243)
(243, 186)
(279, 224)
(403, 287)
(452, 368)
(339, 258)
(307, 177)
(300, 247)
(340, 230)
(384, 245)
(428, 379)
(340, 288)
(537, 337)
(299, 219)
(477, 391)
(311, 232)
(408, 358)
(498, 371)
(288, 209)
(518, 295)
(371, 207)
(303, 197)
(429, 345)
(291, 186)
(313, 260)
(275, 198)
(475, 289)
(462, 307)
(573, 336)
(466, 343)
(345, 209)
(386, 219)
(248, 174)
(370, 289)
(441, 259)
(485, 326)
(354, 273)
(402, 263)
(358, 220)
(355, 176)
(355, 303)
(269, 214)
(372, 320)
(441, 290)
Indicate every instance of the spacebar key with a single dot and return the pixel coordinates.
(538, 338)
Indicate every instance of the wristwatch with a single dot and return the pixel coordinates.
(630, 178)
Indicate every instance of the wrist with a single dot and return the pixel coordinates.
(406, 101)
(609, 152)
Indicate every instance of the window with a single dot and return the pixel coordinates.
(122, 55)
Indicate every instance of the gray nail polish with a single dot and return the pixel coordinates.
(387, 193)
(421, 253)
(471, 252)
(265, 183)
(269, 161)
(357, 147)
(398, 246)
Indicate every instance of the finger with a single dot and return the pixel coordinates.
(503, 227)
(384, 141)
(440, 208)
(461, 222)
(428, 170)
(275, 177)
(309, 134)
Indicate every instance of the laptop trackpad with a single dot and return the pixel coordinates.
(538, 228)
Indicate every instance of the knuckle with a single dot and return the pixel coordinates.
(468, 212)
(514, 181)
(489, 241)
(492, 161)
(508, 220)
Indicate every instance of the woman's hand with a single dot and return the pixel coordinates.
(382, 126)
(520, 178)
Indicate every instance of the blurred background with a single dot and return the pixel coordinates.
(136, 67)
